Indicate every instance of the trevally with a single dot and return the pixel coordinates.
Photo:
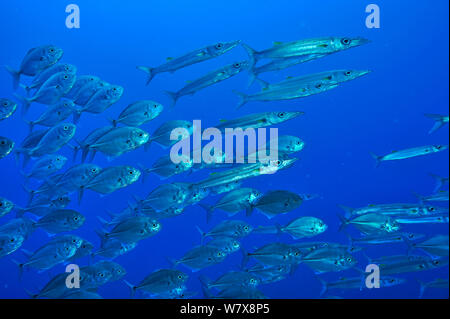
(139, 113)
(120, 140)
(159, 281)
(46, 166)
(6, 146)
(132, 230)
(235, 201)
(36, 60)
(51, 91)
(54, 114)
(43, 76)
(113, 178)
(7, 108)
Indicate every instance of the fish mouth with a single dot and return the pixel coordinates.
(362, 73)
(293, 115)
(359, 41)
(233, 44)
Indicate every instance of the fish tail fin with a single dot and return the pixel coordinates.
(251, 77)
(410, 245)
(324, 284)
(201, 233)
(279, 229)
(419, 197)
(173, 263)
(132, 288)
(102, 234)
(209, 211)
(102, 221)
(30, 294)
(350, 241)
(26, 88)
(439, 181)
(343, 222)
(20, 265)
(20, 211)
(26, 102)
(76, 115)
(84, 150)
(252, 54)
(249, 210)
(348, 211)
(263, 83)
(150, 72)
(423, 286)
(204, 281)
(242, 99)
(369, 260)
(439, 122)
(206, 292)
(15, 75)
(30, 193)
(245, 257)
(148, 144)
(377, 158)
(80, 194)
(75, 152)
(174, 96)
(145, 172)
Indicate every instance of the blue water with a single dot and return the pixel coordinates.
(378, 113)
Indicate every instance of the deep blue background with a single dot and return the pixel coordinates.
(378, 113)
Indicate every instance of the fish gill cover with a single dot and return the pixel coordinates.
(105, 174)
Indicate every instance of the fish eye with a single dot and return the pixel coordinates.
(65, 128)
(1, 204)
(348, 73)
(3, 142)
(140, 134)
(349, 259)
(52, 50)
(131, 172)
(237, 65)
(180, 277)
(219, 46)
(346, 41)
(93, 170)
(12, 240)
(318, 86)
(75, 219)
(155, 106)
(432, 209)
(114, 89)
(5, 103)
(281, 114)
(66, 77)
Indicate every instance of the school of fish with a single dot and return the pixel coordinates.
(69, 95)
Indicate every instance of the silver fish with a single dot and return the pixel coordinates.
(199, 55)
